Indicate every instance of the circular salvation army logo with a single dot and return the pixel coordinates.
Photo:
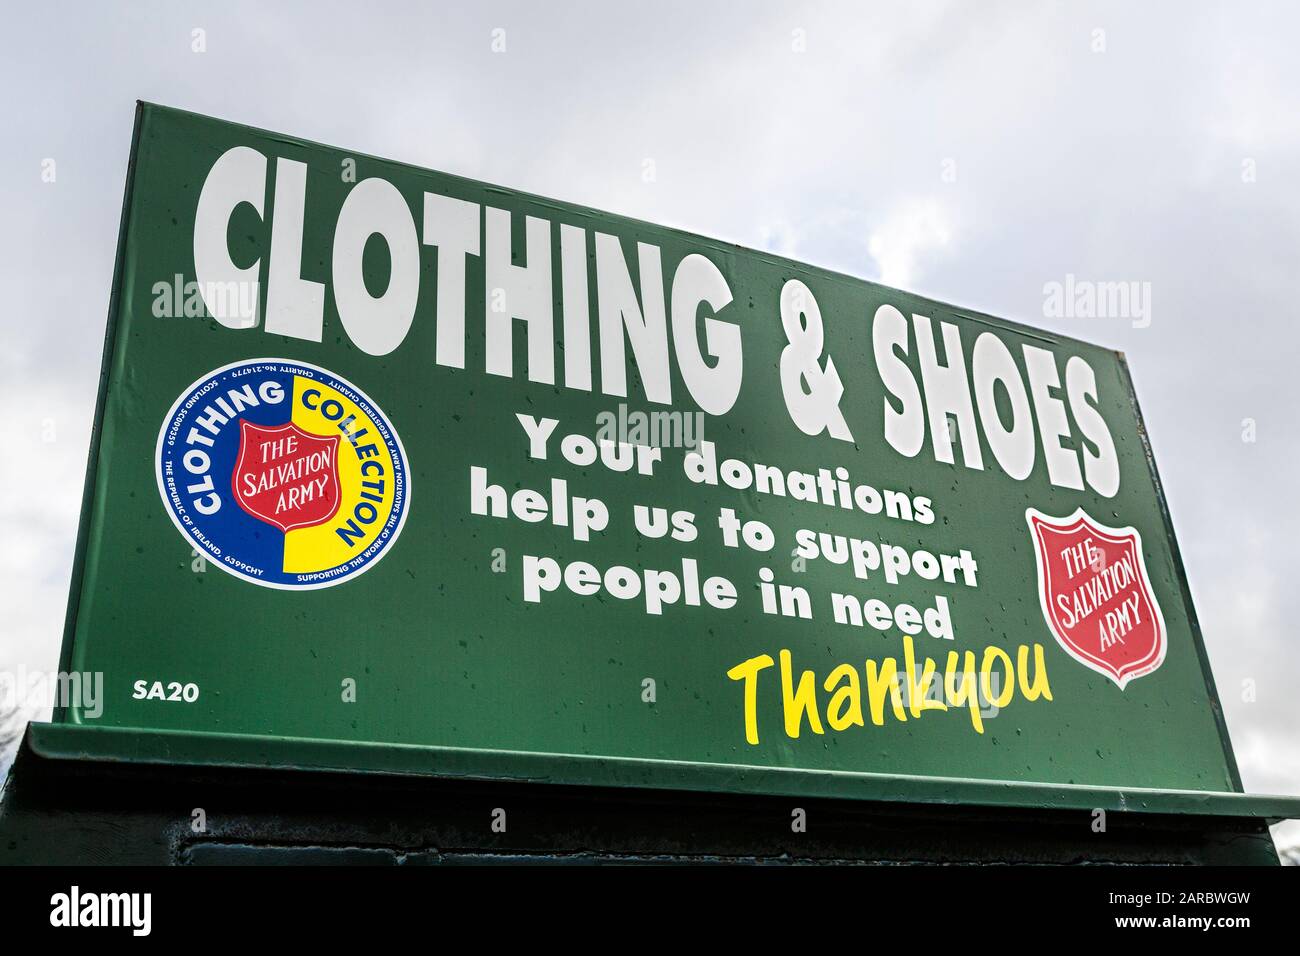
(283, 474)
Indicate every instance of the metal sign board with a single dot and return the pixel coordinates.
(388, 461)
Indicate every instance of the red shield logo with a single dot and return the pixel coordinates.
(1096, 595)
(285, 476)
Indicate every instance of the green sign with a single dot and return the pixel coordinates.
(389, 457)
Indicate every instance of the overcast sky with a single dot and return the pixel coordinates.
(971, 152)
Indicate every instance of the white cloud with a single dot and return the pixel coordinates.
(908, 238)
